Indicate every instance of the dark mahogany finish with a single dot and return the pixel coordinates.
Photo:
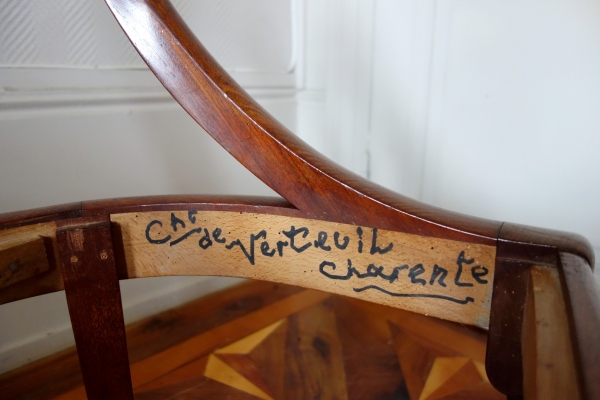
(503, 361)
(583, 306)
(94, 300)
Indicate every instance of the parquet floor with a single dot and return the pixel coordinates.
(271, 341)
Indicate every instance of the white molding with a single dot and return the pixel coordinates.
(24, 104)
(21, 79)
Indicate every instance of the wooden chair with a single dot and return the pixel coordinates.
(332, 231)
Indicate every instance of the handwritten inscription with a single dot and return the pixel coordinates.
(298, 239)
(432, 276)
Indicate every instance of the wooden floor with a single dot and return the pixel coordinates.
(271, 341)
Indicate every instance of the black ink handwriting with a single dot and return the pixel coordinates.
(292, 233)
(461, 259)
(432, 296)
(175, 221)
(336, 238)
(321, 240)
(249, 255)
(377, 249)
(156, 241)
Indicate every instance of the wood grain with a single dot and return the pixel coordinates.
(60, 373)
(444, 278)
(503, 359)
(583, 305)
(22, 261)
(49, 278)
(315, 364)
(548, 361)
(368, 350)
(468, 342)
(94, 301)
(26, 225)
(40, 215)
(145, 371)
(333, 330)
(318, 189)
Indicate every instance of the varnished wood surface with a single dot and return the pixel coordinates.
(256, 204)
(519, 248)
(503, 360)
(259, 343)
(537, 245)
(94, 301)
(583, 305)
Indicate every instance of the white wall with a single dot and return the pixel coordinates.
(487, 108)
(81, 117)
(482, 107)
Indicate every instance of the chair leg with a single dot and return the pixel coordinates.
(87, 262)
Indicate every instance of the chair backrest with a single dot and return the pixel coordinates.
(333, 231)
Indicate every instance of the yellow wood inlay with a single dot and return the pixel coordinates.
(450, 375)
(247, 344)
(221, 372)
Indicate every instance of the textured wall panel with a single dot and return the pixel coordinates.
(251, 36)
(62, 33)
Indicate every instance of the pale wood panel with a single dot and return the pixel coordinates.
(16, 236)
(21, 261)
(438, 277)
(548, 362)
(23, 252)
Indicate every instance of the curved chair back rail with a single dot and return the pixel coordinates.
(266, 239)
(335, 232)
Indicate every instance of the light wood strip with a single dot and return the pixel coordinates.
(21, 261)
(548, 362)
(444, 278)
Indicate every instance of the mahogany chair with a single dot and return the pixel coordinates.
(334, 231)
